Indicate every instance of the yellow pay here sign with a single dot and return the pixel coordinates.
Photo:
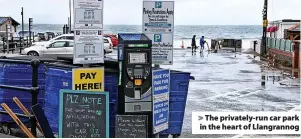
(91, 79)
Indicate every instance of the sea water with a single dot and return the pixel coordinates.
(182, 35)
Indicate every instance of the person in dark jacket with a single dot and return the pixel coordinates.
(193, 44)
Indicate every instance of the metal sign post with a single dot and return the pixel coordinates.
(7, 37)
(30, 29)
(22, 14)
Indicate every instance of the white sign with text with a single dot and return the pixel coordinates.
(88, 14)
(88, 47)
(158, 17)
(162, 48)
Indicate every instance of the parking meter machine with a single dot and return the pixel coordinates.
(135, 74)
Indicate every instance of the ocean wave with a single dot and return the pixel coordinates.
(181, 32)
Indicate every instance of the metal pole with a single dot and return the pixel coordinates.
(254, 47)
(3, 45)
(33, 36)
(27, 41)
(68, 23)
(22, 13)
(20, 45)
(7, 37)
(265, 24)
(29, 31)
(70, 14)
(34, 92)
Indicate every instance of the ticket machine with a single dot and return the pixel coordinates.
(135, 74)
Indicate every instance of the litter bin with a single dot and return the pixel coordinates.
(59, 76)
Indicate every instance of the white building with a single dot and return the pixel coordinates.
(276, 28)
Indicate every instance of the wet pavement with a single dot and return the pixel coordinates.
(230, 82)
(226, 81)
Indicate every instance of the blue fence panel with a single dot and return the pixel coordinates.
(19, 74)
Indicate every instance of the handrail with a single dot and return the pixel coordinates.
(15, 87)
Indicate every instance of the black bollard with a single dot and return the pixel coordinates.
(262, 80)
(64, 29)
(34, 92)
(254, 47)
(67, 30)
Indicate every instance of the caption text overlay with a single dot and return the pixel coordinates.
(245, 123)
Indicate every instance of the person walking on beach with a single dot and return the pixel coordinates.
(193, 44)
(202, 43)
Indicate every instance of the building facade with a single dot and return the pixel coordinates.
(8, 21)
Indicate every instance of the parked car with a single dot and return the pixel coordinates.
(107, 44)
(49, 35)
(110, 41)
(61, 37)
(113, 38)
(25, 35)
(41, 36)
(58, 48)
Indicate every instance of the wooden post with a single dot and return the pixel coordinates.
(296, 60)
(17, 120)
(25, 111)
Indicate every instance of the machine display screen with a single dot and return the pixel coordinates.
(138, 72)
(137, 58)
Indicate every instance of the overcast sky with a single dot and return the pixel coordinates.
(187, 12)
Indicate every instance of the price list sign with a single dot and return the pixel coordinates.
(84, 114)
